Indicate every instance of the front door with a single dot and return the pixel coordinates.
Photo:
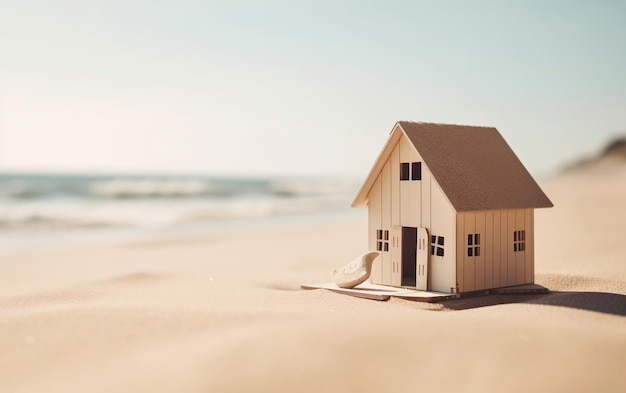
(415, 258)
(409, 256)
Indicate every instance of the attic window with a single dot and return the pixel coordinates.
(416, 171)
(411, 170)
(404, 171)
(473, 245)
(519, 241)
(436, 245)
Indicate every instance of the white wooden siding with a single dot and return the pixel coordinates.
(520, 257)
(512, 268)
(498, 264)
(410, 190)
(469, 267)
(497, 245)
(396, 256)
(394, 163)
(426, 206)
(479, 261)
(386, 221)
(441, 222)
(374, 207)
(489, 270)
(529, 225)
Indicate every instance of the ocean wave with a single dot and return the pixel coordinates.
(151, 188)
(19, 190)
(159, 213)
(23, 188)
(311, 187)
(76, 202)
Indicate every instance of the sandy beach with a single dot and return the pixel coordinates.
(225, 312)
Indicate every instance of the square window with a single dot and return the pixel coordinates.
(440, 240)
(439, 251)
(404, 171)
(416, 171)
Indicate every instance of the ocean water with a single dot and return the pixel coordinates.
(41, 210)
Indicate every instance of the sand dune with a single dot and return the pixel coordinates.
(225, 313)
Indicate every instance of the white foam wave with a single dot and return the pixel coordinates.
(155, 213)
(17, 189)
(150, 188)
(312, 187)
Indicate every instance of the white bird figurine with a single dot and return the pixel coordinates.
(356, 271)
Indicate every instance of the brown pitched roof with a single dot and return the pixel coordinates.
(474, 166)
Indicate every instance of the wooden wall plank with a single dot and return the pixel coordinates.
(530, 254)
(386, 221)
(479, 260)
(405, 195)
(504, 248)
(488, 247)
(511, 266)
(394, 162)
(443, 224)
(375, 223)
(460, 251)
(496, 249)
(415, 193)
(520, 256)
(396, 255)
(426, 196)
(470, 263)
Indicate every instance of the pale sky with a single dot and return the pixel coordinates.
(300, 87)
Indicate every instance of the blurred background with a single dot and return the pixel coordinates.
(149, 118)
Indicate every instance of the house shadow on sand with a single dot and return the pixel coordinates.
(603, 302)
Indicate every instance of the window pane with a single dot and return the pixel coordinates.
(439, 251)
(440, 240)
(404, 171)
(470, 240)
(433, 239)
(523, 235)
(432, 250)
(470, 252)
(514, 246)
(386, 235)
(515, 236)
(379, 234)
(379, 246)
(477, 238)
(386, 246)
(476, 251)
(522, 247)
(417, 171)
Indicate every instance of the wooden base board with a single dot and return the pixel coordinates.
(383, 292)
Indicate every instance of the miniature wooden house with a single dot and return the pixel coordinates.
(451, 209)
